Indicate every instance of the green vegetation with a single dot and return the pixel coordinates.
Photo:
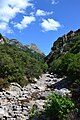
(22, 66)
(33, 113)
(65, 56)
(55, 108)
(64, 59)
(68, 64)
(58, 107)
(17, 65)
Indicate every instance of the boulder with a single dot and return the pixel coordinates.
(44, 95)
(3, 113)
(40, 104)
(63, 92)
(14, 89)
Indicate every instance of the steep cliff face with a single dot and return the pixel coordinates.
(64, 44)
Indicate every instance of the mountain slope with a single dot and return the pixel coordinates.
(64, 59)
(32, 49)
(67, 43)
(18, 63)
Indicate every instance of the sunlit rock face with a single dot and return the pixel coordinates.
(34, 47)
(1, 41)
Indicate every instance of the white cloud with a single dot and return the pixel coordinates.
(50, 24)
(25, 22)
(10, 8)
(43, 13)
(4, 28)
(54, 2)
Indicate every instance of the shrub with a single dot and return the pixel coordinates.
(74, 67)
(56, 66)
(3, 83)
(58, 107)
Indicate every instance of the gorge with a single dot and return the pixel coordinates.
(27, 76)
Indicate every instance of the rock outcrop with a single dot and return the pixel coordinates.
(63, 45)
(34, 48)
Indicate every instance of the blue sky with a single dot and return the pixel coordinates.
(38, 21)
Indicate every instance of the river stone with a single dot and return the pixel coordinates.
(63, 92)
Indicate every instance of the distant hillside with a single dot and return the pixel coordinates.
(18, 63)
(32, 48)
